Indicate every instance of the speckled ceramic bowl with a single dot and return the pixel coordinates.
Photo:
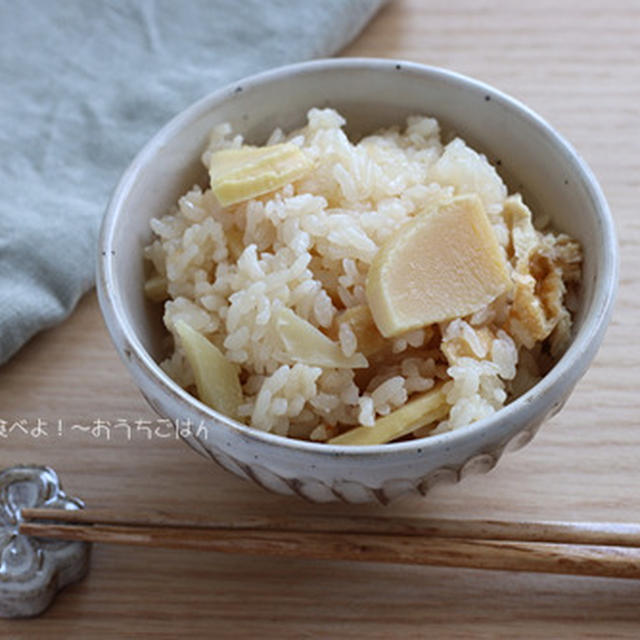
(534, 159)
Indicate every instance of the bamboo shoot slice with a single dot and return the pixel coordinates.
(442, 265)
(426, 408)
(361, 323)
(216, 378)
(155, 288)
(247, 172)
(308, 345)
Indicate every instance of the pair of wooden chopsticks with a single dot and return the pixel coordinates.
(593, 549)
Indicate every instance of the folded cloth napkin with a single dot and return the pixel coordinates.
(84, 85)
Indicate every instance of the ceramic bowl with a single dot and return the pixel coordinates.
(371, 93)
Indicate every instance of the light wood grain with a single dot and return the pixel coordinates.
(576, 63)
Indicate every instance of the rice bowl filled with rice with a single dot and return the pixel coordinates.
(288, 284)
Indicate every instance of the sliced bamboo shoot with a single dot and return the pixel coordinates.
(247, 172)
(361, 323)
(235, 243)
(524, 237)
(307, 344)
(216, 378)
(441, 265)
(155, 288)
(423, 410)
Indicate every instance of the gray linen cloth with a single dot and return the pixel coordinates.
(84, 83)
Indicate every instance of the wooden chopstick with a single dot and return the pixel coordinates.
(596, 549)
(587, 533)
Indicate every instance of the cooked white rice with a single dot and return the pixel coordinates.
(308, 247)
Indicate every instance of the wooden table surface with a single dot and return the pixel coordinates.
(575, 63)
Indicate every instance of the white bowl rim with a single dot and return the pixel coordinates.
(587, 339)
